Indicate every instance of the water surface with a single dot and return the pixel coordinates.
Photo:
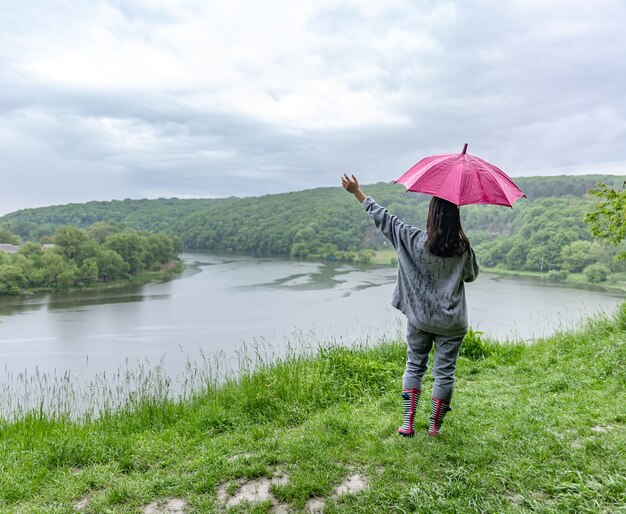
(221, 302)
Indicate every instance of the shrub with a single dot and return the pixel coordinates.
(365, 257)
(596, 272)
(557, 275)
(474, 347)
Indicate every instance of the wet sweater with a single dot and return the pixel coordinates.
(429, 289)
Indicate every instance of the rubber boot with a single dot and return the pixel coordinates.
(410, 398)
(439, 410)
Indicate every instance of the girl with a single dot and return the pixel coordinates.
(432, 268)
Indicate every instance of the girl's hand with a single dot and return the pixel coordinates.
(351, 184)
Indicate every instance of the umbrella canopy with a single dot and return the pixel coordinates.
(462, 179)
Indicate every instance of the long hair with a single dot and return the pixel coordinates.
(445, 233)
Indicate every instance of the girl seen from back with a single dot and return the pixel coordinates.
(433, 266)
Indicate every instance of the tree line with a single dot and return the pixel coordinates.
(544, 232)
(76, 257)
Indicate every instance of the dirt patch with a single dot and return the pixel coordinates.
(253, 491)
(172, 506)
(516, 499)
(315, 505)
(81, 504)
(602, 429)
(353, 484)
(239, 492)
(240, 456)
(542, 497)
(280, 477)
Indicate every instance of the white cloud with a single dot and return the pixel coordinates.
(137, 98)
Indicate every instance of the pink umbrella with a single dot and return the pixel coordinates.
(461, 179)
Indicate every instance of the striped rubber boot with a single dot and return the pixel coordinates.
(410, 397)
(439, 409)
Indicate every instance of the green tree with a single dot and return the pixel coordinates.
(608, 219)
(12, 279)
(24, 263)
(58, 271)
(130, 246)
(88, 271)
(37, 278)
(159, 249)
(536, 259)
(329, 251)
(516, 256)
(544, 257)
(7, 237)
(299, 251)
(68, 277)
(70, 241)
(31, 250)
(30, 259)
(111, 265)
(576, 256)
(101, 230)
(494, 253)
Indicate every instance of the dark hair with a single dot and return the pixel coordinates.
(445, 233)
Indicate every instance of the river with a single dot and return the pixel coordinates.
(219, 305)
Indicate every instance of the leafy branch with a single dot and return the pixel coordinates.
(608, 220)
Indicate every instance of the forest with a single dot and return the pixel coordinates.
(544, 232)
(77, 258)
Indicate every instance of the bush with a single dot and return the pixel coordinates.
(365, 257)
(557, 275)
(596, 273)
(474, 347)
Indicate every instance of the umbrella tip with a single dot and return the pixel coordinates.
(464, 148)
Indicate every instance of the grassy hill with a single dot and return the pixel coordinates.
(538, 428)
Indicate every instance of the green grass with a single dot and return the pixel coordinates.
(538, 428)
(615, 281)
(385, 257)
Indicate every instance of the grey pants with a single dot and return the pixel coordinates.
(446, 353)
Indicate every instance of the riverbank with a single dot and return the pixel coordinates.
(534, 428)
(615, 282)
(167, 272)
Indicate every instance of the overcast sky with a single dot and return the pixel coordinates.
(122, 99)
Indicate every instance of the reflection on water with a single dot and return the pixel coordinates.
(70, 302)
(12, 305)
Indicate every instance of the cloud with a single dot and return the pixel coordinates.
(140, 99)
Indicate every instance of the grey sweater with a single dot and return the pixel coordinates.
(429, 290)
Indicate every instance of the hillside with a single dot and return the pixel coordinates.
(537, 428)
(536, 235)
